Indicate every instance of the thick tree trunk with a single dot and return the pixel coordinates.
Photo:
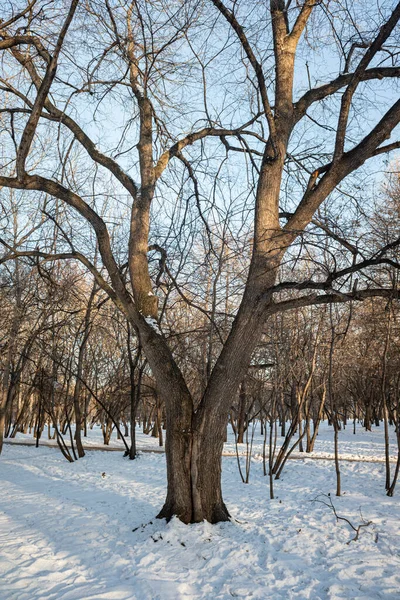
(194, 474)
(178, 449)
(195, 438)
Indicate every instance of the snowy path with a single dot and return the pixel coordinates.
(66, 533)
(241, 451)
(365, 446)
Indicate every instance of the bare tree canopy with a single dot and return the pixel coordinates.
(141, 128)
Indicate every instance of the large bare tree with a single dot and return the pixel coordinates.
(142, 53)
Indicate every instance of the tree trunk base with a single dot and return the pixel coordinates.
(217, 514)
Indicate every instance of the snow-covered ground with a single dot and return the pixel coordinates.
(87, 530)
(365, 445)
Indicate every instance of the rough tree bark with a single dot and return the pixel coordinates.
(195, 434)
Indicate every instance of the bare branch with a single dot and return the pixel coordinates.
(323, 91)
(376, 45)
(18, 16)
(230, 17)
(302, 19)
(30, 127)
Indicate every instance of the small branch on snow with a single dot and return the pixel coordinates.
(330, 505)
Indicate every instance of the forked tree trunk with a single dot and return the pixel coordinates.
(194, 474)
(195, 438)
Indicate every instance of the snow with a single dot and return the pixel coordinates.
(153, 323)
(86, 530)
(364, 446)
